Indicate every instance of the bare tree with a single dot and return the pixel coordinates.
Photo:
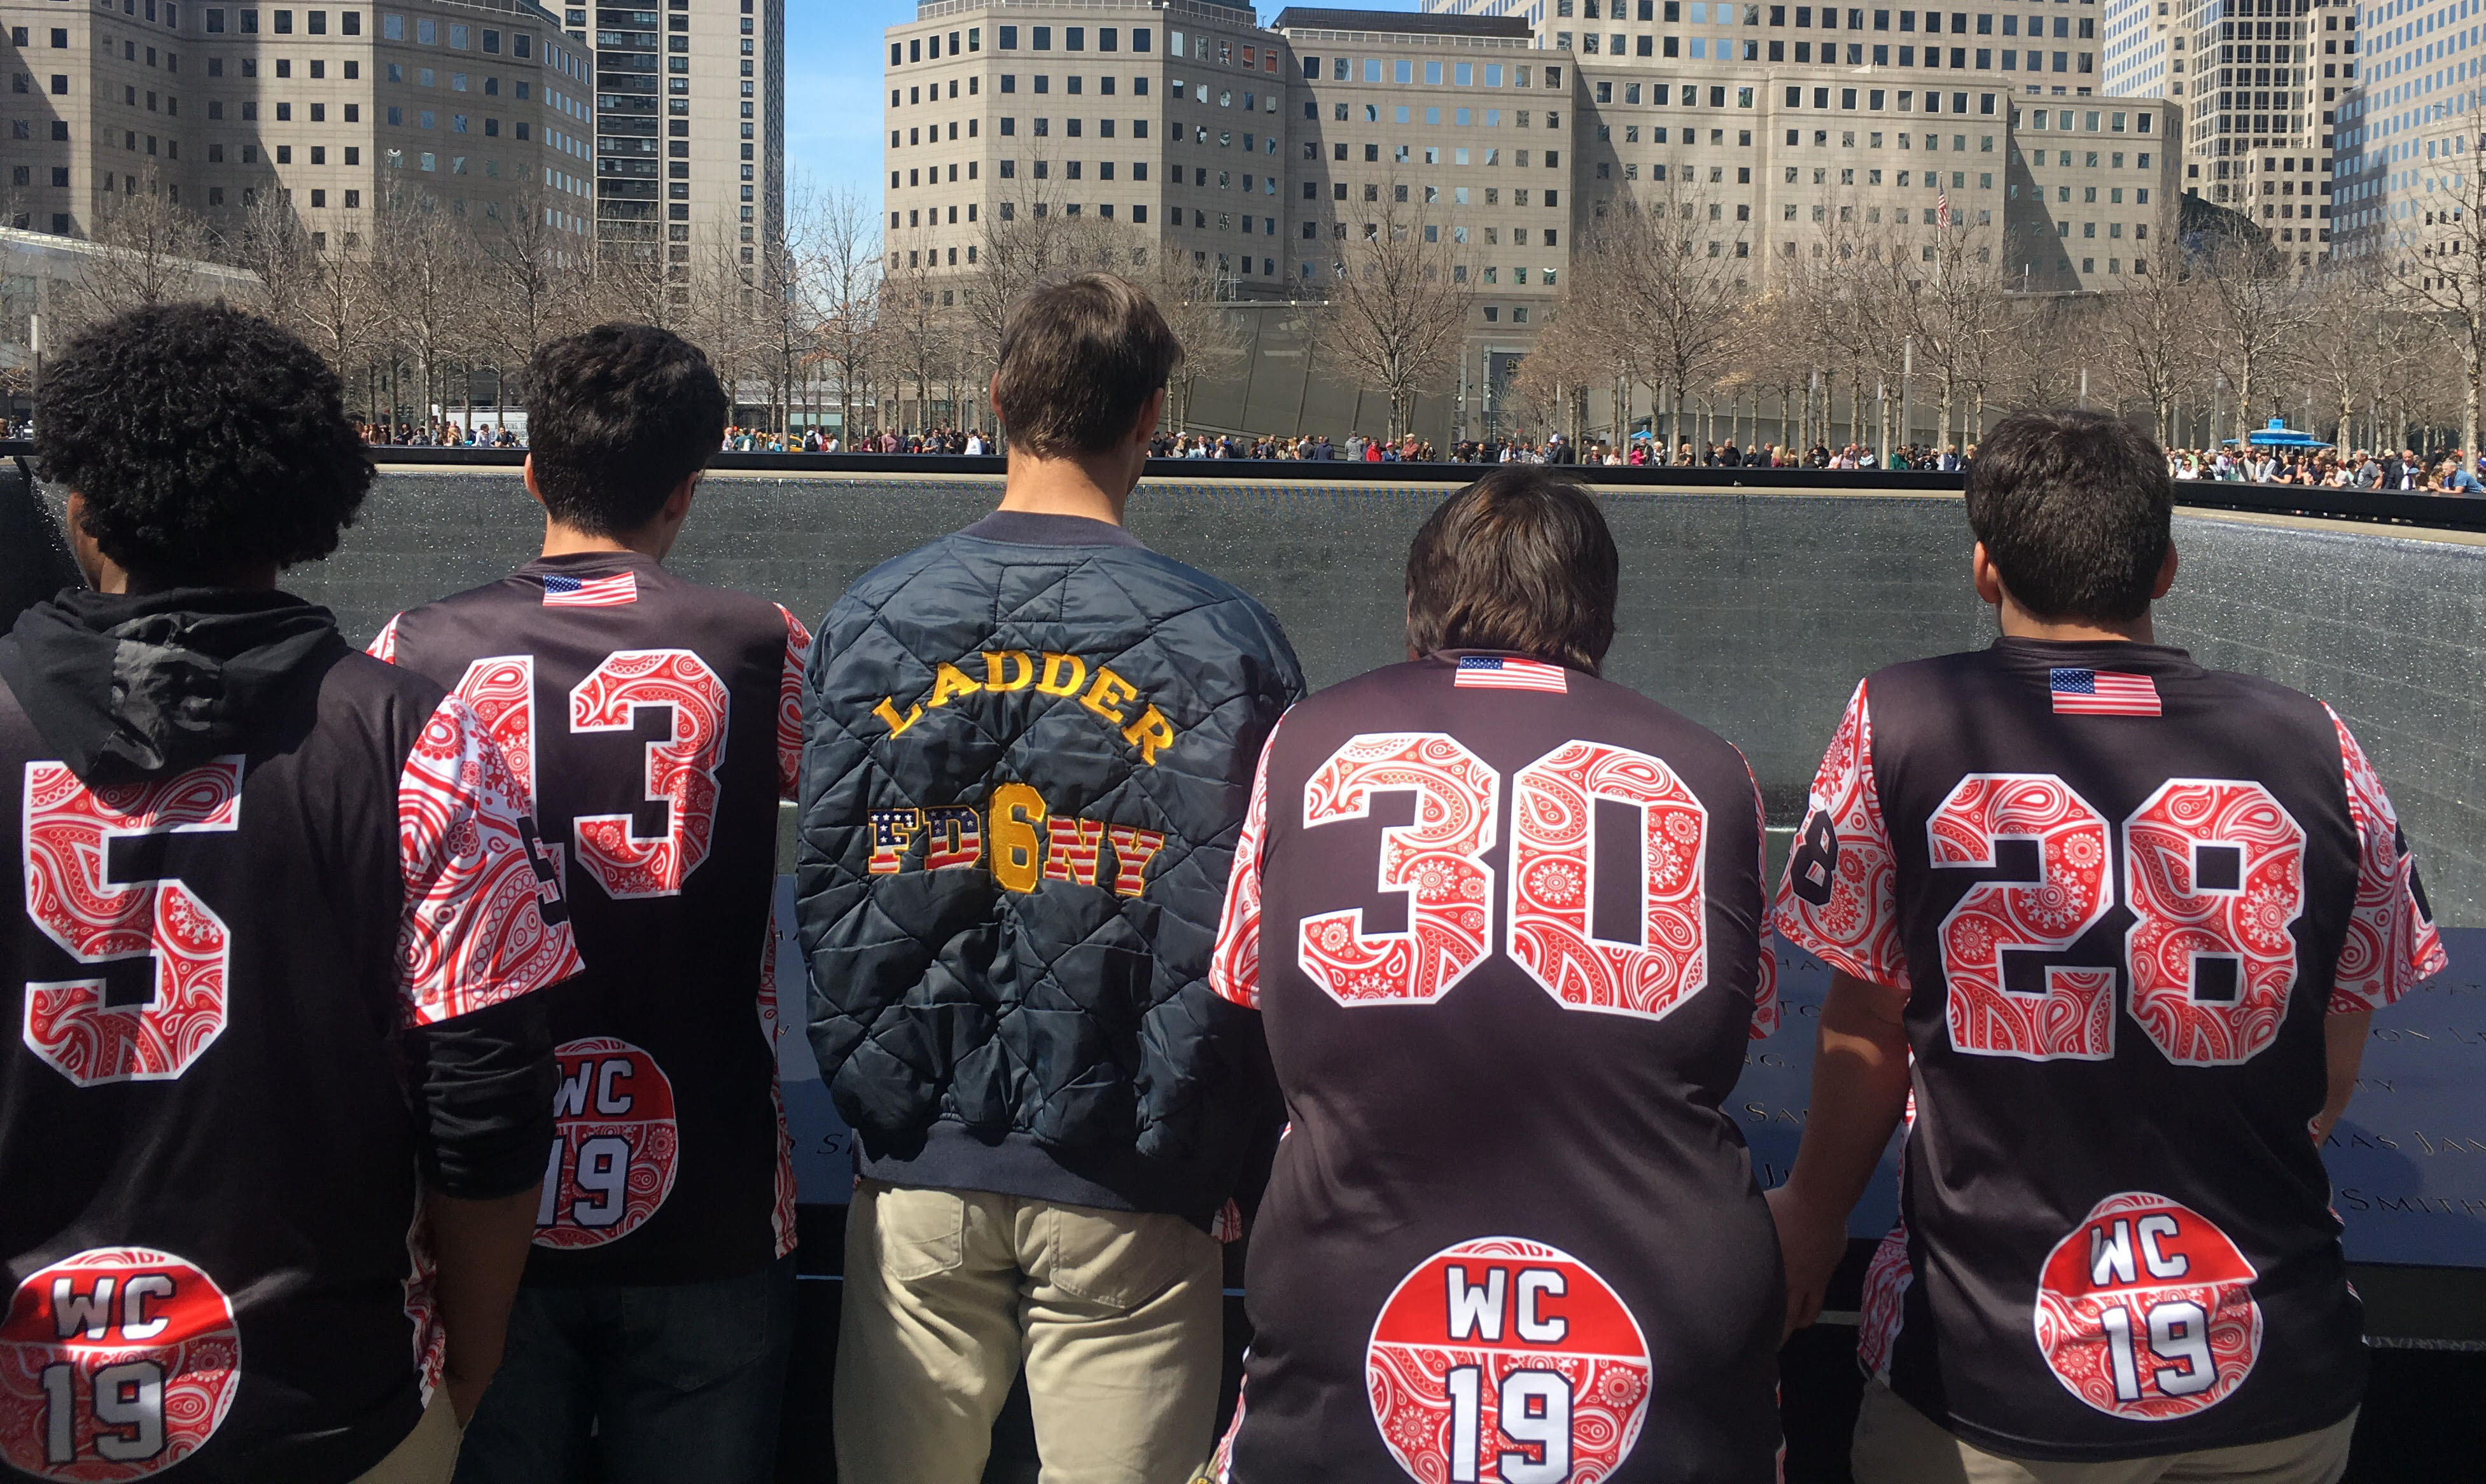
(428, 265)
(1398, 304)
(2257, 309)
(272, 242)
(1212, 343)
(341, 307)
(2152, 334)
(845, 289)
(149, 251)
(1950, 292)
(1667, 268)
(2346, 302)
(1572, 353)
(534, 278)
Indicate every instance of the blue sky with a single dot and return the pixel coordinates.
(833, 71)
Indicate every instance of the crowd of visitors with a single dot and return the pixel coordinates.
(438, 434)
(2405, 470)
(952, 441)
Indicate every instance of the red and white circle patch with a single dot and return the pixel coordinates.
(2145, 1310)
(114, 1364)
(614, 1146)
(1506, 1361)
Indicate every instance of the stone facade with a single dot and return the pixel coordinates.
(476, 105)
(690, 138)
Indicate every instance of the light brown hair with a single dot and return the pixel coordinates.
(1519, 560)
(1079, 358)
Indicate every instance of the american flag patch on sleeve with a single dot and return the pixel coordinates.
(2103, 693)
(1493, 672)
(562, 591)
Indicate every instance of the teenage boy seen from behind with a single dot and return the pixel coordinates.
(272, 927)
(1028, 750)
(651, 721)
(1510, 1233)
(2128, 918)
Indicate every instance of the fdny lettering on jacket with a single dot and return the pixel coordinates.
(1028, 843)
(1049, 673)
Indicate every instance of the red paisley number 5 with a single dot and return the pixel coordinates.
(70, 830)
(682, 770)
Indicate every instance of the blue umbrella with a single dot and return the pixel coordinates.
(2278, 435)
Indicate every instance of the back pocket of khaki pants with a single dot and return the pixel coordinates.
(919, 1232)
(1120, 1259)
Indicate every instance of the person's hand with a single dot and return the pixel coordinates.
(1812, 1241)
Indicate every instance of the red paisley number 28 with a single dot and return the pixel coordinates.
(2214, 876)
(70, 830)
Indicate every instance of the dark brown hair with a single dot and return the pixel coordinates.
(617, 418)
(1079, 358)
(1520, 560)
(2077, 509)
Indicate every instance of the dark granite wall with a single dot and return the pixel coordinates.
(1755, 613)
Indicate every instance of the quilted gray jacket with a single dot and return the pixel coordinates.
(1028, 748)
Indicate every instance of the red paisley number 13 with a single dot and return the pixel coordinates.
(682, 770)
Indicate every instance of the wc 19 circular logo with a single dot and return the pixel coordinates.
(2145, 1310)
(1506, 1362)
(115, 1363)
(614, 1146)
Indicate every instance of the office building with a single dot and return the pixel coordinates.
(2267, 81)
(474, 106)
(690, 145)
(1779, 133)
(2409, 120)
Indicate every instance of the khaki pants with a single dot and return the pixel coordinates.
(1895, 1443)
(1118, 1319)
(428, 1455)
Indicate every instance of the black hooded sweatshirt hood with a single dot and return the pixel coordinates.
(130, 688)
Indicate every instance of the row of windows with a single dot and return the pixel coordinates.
(975, 88)
(130, 7)
(1071, 129)
(1731, 13)
(2013, 60)
(932, 134)
(315, 23)
(1073, 82)
(1435, 74)
(426, 119)
(1073, 38)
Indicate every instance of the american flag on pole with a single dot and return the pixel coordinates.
(1493, 672)
(1942, 208)
(562, 591)
(2103, 693)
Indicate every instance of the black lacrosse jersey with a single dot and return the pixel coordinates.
(1504, 922)
(654, 724)
(209, 1201)
(2123, 890)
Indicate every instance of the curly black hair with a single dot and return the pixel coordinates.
(617, 418)
(205, 441)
